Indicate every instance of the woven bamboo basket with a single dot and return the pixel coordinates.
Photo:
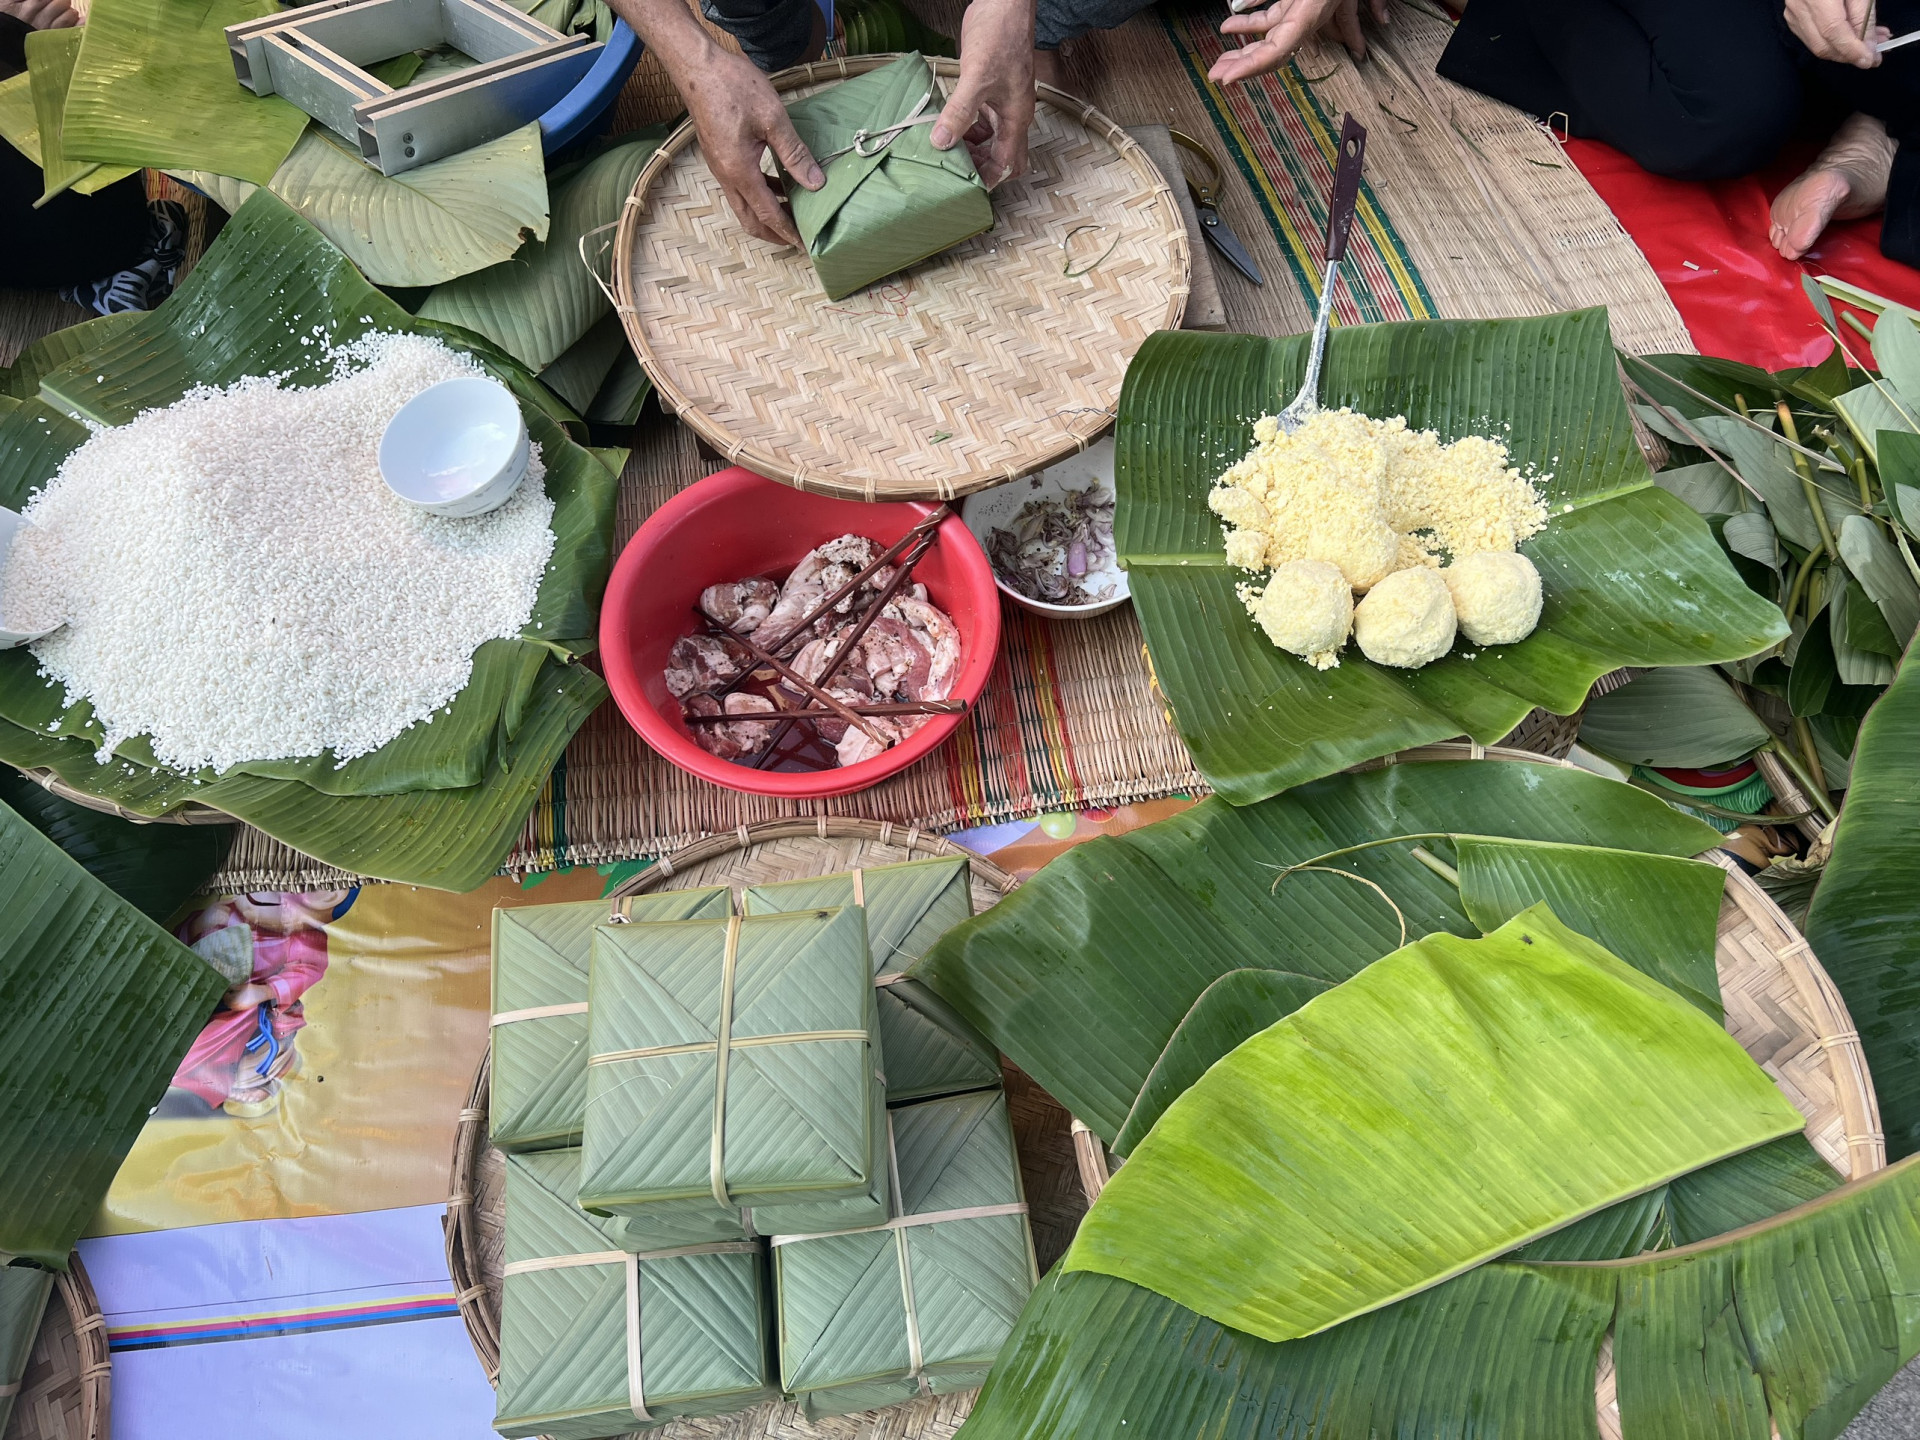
(187, 814)
(986, 363)
(66, 1391)
(1780, 1005)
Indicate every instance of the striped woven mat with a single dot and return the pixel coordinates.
(1469, 210)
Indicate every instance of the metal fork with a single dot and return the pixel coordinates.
(1346, 194)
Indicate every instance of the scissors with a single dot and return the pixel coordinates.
(1205, 200)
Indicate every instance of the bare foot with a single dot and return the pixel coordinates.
(1047, 69)
(1848, 179)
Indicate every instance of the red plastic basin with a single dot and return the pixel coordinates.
(736, 524)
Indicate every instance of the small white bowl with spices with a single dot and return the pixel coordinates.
(1049, 537)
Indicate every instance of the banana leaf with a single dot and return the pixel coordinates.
(1631, 575)
(439, 805)
(583, 1340)
(1741, 1190)
(887, 205)
(542, 301)
(97, 1006)
(1800, 1318)
(52, 351)
(1452, 1101)
(1865, 914)
(540, 966)
(155, 868)
(1234, 1008)
(50, 56)
(1659, 913)
(1686, 716)
(447, 218)
(881, 1315)
(576, 377)
(1083, 974)
(154, 86)
(623, 395)
(786, 1121)
(930, 1050)
(23, 1305)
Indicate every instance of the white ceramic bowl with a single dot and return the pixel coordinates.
(11, 524)
(987, 510)
(458, 448)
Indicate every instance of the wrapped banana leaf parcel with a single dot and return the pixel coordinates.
(890, 199)
(735, 1064)
(930, 1049)
(596, 1340)
(919, 1305)
(540, 961)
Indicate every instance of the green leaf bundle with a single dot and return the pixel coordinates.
(735, 1063)
(930, 1049)
(923, 1303)
(541, 954)
(594, 1341)
(887, 202)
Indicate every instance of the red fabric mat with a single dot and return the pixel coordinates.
(1743, 301)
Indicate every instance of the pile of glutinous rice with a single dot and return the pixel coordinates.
(1427, 532)
(237, 582)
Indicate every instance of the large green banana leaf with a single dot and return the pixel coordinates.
(50, 56)
(1631, 575)
(1083, 975)
(543, 300)
(447, 218)
(1455, 1099)
(20, 128)
(156, 868)
(1864, 923)
(154, 85)
(97, 1005)
(440, 804)
(1797, 1321)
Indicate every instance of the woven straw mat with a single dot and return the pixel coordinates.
(1780, 1005)
(65, 1393)
(981, 365)
(764, 854)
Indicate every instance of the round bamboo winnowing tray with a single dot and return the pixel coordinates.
(1780, 1005)
(755, 855)
(65, 1393)
(982, 364)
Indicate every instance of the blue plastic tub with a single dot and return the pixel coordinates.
(588, 107)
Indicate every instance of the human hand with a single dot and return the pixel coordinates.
(739, 118)
(1286, 24)
(992, 106)
(1832, 30)
(246, 996)
(41, 14)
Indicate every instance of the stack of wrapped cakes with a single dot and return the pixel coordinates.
(746, 1156)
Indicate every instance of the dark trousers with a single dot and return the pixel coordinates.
(1694, 89)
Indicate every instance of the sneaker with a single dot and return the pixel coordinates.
(150, 280)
